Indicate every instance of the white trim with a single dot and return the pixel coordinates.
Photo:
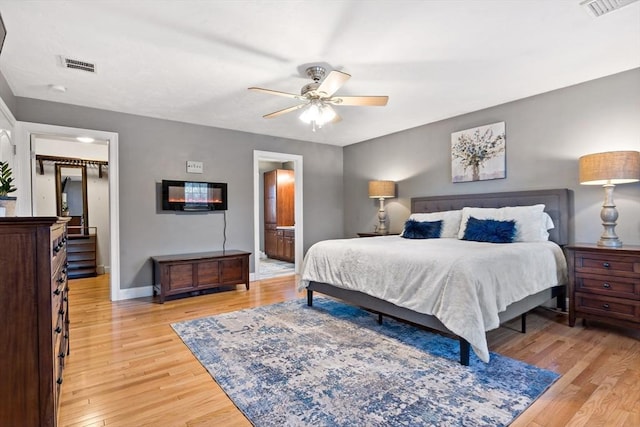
(299, 239)
(139, 292)
(24, 130)
(6, 112)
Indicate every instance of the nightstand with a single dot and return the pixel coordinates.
(604, 284)
(376, 234)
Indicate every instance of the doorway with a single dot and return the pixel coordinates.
(26, 134)
(295, 162)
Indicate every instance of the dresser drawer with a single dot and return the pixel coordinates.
(621, 287)
(57, 309)
(617, 308)
(59, 281)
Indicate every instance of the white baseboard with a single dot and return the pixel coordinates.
(147, 291)
(131, 293)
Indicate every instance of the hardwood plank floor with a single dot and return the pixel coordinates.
(128, 368)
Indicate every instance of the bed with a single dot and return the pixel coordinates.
(348, 269)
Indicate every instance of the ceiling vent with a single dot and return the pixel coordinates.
(76, 64)
(600, 7)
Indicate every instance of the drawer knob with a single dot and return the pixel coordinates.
(606, 285)
(61, 280)
(61, 355)
(61, 312)
(59, 381)
(56, 292)
(58, 330)
(605, 306)
(606, 265)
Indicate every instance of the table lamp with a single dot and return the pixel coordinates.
(382, 190)
(608, 169)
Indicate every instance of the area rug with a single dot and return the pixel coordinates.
(332, 365)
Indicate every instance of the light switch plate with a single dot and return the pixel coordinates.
(194, 167)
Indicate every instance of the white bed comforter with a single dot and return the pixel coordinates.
(464, 284)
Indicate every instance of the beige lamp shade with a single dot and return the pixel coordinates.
(613, 167)
(382, 189)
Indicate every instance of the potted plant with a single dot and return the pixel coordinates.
(7, 203)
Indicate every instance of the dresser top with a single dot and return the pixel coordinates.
(31, 220)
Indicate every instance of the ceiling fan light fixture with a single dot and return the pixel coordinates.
(317, 114)
(318, 98)
(310, 113)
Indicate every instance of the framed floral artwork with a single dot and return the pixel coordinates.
(478, 154)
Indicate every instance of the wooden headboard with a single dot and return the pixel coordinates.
(558, 204)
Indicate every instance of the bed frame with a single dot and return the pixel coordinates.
(558, 204)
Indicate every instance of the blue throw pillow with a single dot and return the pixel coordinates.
(490, 230)
(422, 229)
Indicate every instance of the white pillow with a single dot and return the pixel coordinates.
(450, 221)
(547, 224)
(531, 222)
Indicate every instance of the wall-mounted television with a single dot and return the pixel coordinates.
(194, 196)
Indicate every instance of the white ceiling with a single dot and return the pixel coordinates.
(193, 61)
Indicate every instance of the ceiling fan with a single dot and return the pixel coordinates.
(318, 98)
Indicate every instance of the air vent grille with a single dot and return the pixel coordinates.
(600, 7)
(75, 64)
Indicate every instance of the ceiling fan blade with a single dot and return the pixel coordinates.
(371, 101)
(332, 83)
(276, 92)
(284, 111)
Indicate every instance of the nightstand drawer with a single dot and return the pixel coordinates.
(595, 263)
(609, 307)
(621, 287)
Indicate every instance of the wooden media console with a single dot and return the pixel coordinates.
(192, 273)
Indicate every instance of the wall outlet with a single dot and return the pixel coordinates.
(194, 167)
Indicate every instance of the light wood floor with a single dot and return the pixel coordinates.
(128, 368)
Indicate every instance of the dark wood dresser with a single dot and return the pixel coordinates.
(604, 284)
(35, 313)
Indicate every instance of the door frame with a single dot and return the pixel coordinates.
(24, 131)
(269, 156)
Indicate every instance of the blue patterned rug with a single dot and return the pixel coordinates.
(332, 365)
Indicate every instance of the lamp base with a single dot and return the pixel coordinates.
(382, 218)
(609, 215)
(610, 243)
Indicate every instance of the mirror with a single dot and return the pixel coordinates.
(71, 196)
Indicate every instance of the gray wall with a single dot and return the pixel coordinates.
(151, 150)
(7, 95)
(546, 134)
